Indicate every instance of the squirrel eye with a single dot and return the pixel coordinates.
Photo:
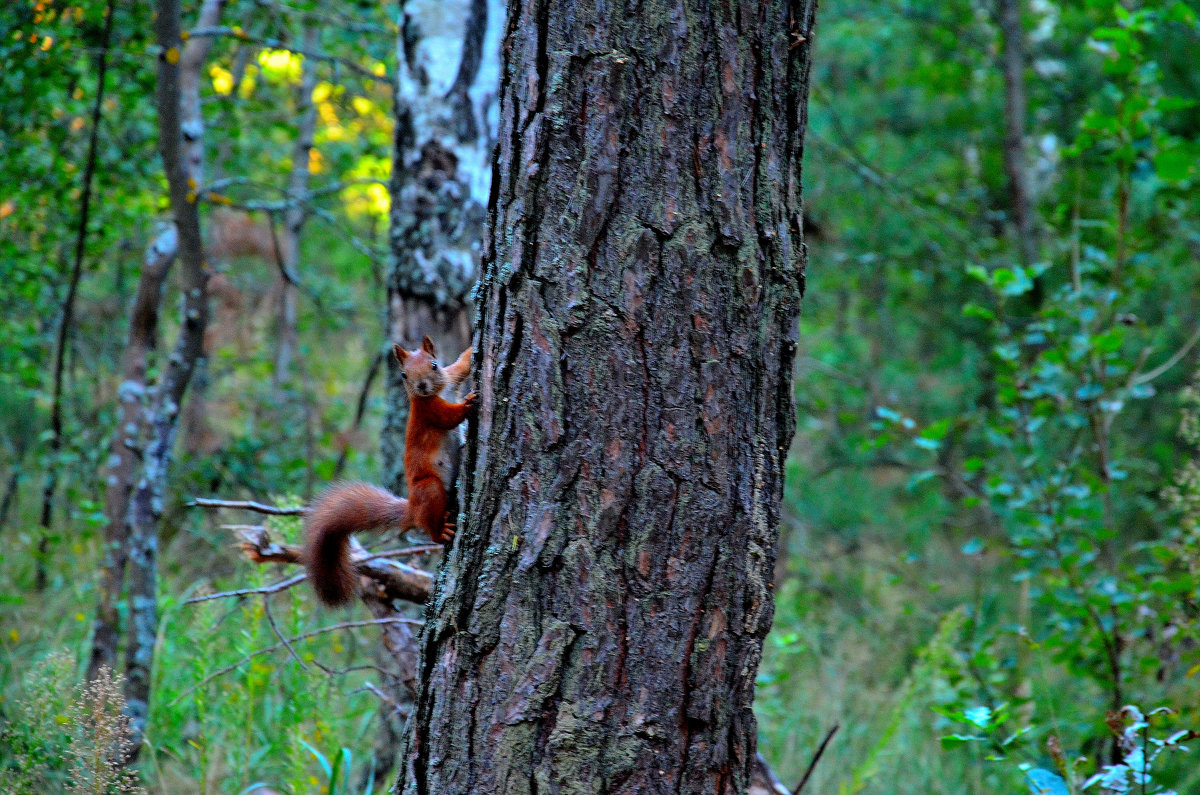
(403, 375)
(433, 365)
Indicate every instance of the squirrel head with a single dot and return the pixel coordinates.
(419, 369)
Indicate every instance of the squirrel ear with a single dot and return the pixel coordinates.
(428, 346)
(399, 353)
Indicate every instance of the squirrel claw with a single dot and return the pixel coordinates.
(446, 534)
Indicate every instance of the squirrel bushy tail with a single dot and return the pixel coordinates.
(343, 509)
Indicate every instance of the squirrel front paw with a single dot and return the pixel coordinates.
(472, 401)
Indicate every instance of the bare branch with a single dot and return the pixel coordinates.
(816, 758)
(1171, 362)
(287, 644)
(391, 579)
(246, 505)
(266, 589)
(295, 638)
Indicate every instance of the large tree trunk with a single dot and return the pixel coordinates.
(445, 131)
(599, 621)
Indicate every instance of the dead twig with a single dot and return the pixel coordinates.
(276, 646)
(816, 758)
(246, 505)
(266, 589)
(271, 620)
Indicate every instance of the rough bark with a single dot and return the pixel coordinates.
(181, 145)
(142, 339)
(599, 620)
(1012, 38)
(445, 131)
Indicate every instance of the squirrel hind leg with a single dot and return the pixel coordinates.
(427, 504)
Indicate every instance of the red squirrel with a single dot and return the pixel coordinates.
(430, 469)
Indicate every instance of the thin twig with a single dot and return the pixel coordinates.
(389, 702)
(360, 411)
(246, 505)
(1169, 363)
(282, 585)
(276, 646)
(271, 620)
(816, 758)
(424, 549)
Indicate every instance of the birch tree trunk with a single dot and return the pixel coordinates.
(446, 114)
(181, 144)
(599, 620)
(131, 405)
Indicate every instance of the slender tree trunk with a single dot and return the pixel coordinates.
(1012, 37)
(131, 405)
(67, 315)
(297, 210)
(181, 144)
(599, 621)
(445, 131)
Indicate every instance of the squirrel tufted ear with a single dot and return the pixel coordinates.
(399, 353)
(428, 346)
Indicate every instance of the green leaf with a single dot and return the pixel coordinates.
(977, 311)
(1181, 12)
(980, 716)
(1174, 164)
(320, 758)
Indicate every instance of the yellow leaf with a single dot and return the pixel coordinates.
(46, 43)
(79, 616)
(1191, 671)
(16, 636)
(6, 209)
(222, 79)
(172, 55)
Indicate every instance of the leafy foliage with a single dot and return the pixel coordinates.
(991, 548)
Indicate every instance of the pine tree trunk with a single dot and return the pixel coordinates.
(599, 621)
